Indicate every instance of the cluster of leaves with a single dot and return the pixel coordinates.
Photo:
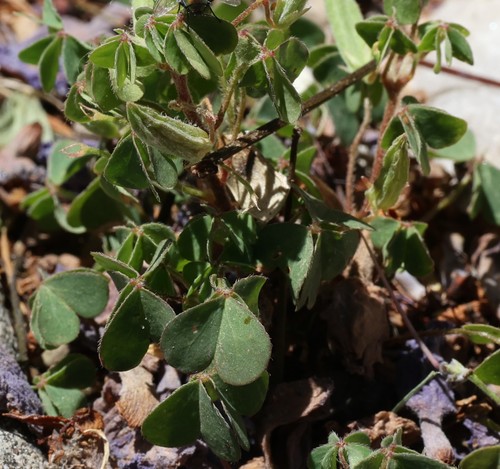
(354, 452)
(167, 92)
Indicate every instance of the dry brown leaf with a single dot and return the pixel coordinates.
(357, 324)
(136, 399)
(297, 402)
(386, 423)
(255, 463)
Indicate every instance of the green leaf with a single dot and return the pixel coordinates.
(285, 98)
(332, 252)
(92, 208)
(102, 89)
(343, 16)
(158, 313)
(61, 299)
(460, 47)
(125, 167)
(482, 457)
(164, 169)
(429, 32)
(356, 452)
(168, 135)
(223, 331)
(286, 12)
(417, 260)
(122, 61)
(403, 459)
(73, 371)
(173, 54)
(323, 457)
(292, 55)
(104, 55)
(371, 28)
(289, 247)
(320, 212)
(209, 58)
(49, 63)
(176, 420)
(52, 322)
(189, 51)
(481, 333)
(463, 150)
(401, 43)
(114, 265)
(384, 230)
(74, 105)
(393, 176)
(73, 54)
(82, 290)
(65, 401)
(489, 370)
(126, 337)
(60, 165)
(50, 17)
(246, 400)
(487, 181)
(248, 289)
(438, 128)
(215, 430)
(32, 53)
(308, 32)
(407, 11)
(415, 141)
(193, 240)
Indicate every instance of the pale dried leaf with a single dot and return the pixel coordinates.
(265, 191)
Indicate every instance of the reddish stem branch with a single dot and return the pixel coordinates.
(462, 74)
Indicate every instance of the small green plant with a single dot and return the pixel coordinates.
(170, 96)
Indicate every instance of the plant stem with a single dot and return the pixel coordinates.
(291, 169)
(353, 153)
(278, 335)
(241, 17)
(482, 386)
(425, 350)
(272, 126)
(414, 391)
(185, 98)
(462, 74)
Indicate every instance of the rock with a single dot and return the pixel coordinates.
(17, 452)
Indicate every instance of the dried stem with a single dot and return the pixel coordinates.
(353, 153)
(291, 169)
(425, 350)
(11, 270)
(272, 126)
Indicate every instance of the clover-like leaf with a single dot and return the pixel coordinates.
(221, 332)
(136, 321)
(61, 299)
